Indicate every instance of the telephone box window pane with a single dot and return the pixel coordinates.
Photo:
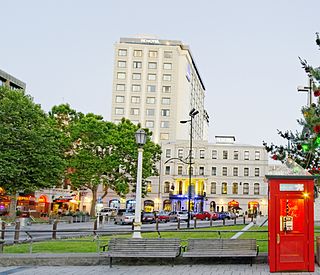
(292, 215)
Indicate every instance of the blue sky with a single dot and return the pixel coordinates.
(246, 51)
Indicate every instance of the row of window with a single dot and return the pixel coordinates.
(224, 172)
(138, 65)
(137, 88)
(225, 154)
(137, 76)
(235, 190)
(136, 111)
(139, 53)
(149, 100)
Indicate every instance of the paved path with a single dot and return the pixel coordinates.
(243, 269)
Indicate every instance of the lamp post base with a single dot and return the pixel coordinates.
(136, 234)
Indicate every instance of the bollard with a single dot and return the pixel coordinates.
(16, 232)
(1, 245)
(251, 218)
(235, 220)
(157, 224)
(3, 228)
(194, 222)
(211, 222)
(244, 219)
(54, 230)
(224, 221)
(95, 224)
(178, 225)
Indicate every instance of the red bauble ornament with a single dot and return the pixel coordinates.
(274, 157)
(299, 147)
(316, 93)
(316, 128)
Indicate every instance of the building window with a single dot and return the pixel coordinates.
(137, 53)
(179, 170)
(246, 189)
(235, 188)
(166, 89)
(122, 64)
(201, 171)
(167, 54)
(225, 154)
(213, 171)
(257, 155)
(164, 136)
(235, 171)
(166, 187)
(149, 123)
(167, 66)
(164, 124)
(136, 88)
(119, 99)
(246, 172)
(151, 100)
(165, 100)
(224, 188)
(213, 189)
(180, 153)
(166, 77)
(214, 154)
(152, 65)
(119, 111)
(153, 54)
(137, 64)
(150, 112)
(165, 112)
(149, 187)
(122, 52)
(224, 171)
(256, 172)
(236, 155)
(256, 188)
(120, 87)
(121, 75)
(136, 76)
(135, 99)
(151, 88)
(134, 111)
(167, 170)
(202, 154)
(152, 76)
(246, 155)
(168, 153)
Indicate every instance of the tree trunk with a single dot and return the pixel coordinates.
(94, 201)
(13, 205)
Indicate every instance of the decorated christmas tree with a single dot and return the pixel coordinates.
(304, 147)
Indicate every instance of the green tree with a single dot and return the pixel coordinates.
(304, 147)
(31, 156)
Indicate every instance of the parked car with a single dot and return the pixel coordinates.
(148, 217)
(224, 215)
(205, 215)
(108, 212)
(124, 218)
(175, 215)
(232, 215)
(163, 216)
(215, 216)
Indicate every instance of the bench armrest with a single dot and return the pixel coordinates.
(103, 246)
(257, 249)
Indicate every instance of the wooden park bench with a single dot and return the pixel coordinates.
(221, 248)
(143, 248)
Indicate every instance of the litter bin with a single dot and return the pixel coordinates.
(318, 250)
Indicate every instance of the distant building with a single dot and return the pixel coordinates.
(156, 83)
(10, 81)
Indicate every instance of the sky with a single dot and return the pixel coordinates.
(246, 52)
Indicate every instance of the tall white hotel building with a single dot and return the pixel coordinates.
(157, 83)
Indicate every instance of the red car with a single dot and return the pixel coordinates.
(163, 216)
(205, 215)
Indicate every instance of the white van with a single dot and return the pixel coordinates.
(108, 212)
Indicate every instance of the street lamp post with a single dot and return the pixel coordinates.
(141, 137)
(192, 114)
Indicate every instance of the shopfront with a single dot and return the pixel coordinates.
(114, 203)
(64, 204)
(148, 206)
(253, 208)
(43, 205)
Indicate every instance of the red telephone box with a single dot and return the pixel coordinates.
(291, 223)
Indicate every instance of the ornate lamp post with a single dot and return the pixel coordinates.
(141, 138)
(192, 114)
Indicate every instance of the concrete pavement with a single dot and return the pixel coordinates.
(230, 269)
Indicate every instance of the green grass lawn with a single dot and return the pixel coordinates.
(89, 244)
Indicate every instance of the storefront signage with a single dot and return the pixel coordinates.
(291, 187)
(150, 41)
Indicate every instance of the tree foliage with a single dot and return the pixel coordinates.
(31, 156)
(304, 147)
